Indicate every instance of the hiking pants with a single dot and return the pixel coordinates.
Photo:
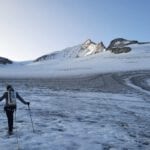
(10, 114)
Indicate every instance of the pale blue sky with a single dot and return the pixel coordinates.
(31, 28)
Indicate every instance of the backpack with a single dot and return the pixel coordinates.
(11, 98)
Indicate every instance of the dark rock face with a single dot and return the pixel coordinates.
(120, 42)
(120, 50)
(121, 45)
(5, 61)
(45, 57)
(100, 47)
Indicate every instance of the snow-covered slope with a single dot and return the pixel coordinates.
(137, 59)
(118, 45)
(85, 49)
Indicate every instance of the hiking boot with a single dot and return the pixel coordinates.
(10, 132)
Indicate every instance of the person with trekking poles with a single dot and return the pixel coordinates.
(10, 106)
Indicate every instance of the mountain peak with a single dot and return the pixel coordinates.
(87, 48)
(87, 43)
(92, 47)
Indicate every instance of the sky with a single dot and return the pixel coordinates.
(32, 28)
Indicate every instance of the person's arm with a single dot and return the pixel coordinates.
(21, 99)
(3, 97)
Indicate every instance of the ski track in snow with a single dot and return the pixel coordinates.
(108, 112)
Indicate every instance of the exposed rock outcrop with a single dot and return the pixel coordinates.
(121, 45)
(120, 42)
(89, 48)
(95, 47)
(5, 61)
(48, 56)
(119, 50)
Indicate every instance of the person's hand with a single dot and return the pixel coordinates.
(28, 103)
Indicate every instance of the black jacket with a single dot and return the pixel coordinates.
(5, 96)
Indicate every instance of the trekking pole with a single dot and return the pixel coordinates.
(31, 118)
(17, 136)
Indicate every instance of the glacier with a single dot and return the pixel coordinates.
(99, 101)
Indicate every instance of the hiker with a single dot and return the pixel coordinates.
(10, 106)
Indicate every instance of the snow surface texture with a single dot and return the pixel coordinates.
(148, 82)
(104, 62)
(101, 112)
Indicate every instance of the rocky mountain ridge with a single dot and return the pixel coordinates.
(116, 46)
(87, 48)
